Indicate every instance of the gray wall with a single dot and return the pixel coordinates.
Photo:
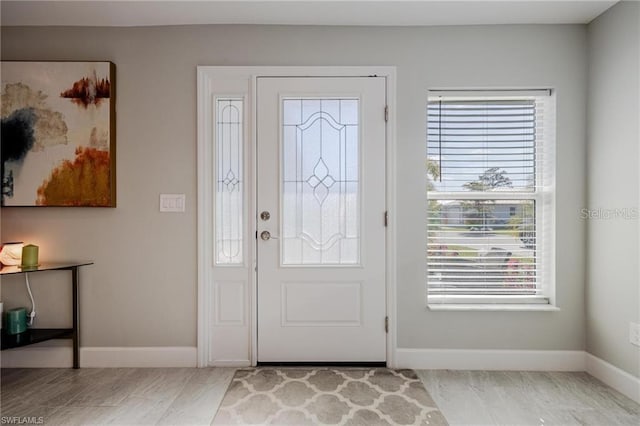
(142, 289)
(613, 278)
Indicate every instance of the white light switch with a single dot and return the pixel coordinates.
(172, 203)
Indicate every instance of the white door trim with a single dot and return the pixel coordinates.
(206, 76)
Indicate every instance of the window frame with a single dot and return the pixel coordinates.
(543, 196)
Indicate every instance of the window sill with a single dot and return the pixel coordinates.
(492, 307)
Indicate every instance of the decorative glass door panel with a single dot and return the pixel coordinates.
(229, 181)
(320, 181)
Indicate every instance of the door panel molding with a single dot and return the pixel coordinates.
(224, 344)
(299, 316)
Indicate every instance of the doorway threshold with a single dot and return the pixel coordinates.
(366, 364)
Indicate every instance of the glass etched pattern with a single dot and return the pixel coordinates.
(321, 184)
(229, 182)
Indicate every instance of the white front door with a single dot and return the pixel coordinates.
(321, 235)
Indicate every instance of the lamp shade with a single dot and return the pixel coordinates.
(11, 254)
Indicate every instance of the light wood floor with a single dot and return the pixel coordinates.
(527, 398)
(176, 396)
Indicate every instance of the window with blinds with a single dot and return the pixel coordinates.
(490, 191)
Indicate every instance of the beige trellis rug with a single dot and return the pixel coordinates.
(327, 396)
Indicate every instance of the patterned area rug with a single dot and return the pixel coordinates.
(327, 396)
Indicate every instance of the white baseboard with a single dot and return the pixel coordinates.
(611, 375)
(37, 357)
(477, 359)
(99, 357)
(161, 356)
(230, 363)
(428, 359)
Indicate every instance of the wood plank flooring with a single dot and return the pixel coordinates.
(132, 396)
(189, 396)
(527, 398)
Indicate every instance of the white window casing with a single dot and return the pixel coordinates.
(491, 197)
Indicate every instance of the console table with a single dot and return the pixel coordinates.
(37, 335)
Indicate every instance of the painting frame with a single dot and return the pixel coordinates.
(67, 110)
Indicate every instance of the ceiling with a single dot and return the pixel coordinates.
(299, 12)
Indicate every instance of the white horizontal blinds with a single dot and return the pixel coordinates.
(469, 137)
(487, 173)
(229, 196)
(478, 247)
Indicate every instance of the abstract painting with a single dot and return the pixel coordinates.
(58, 134)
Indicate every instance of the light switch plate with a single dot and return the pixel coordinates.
(172, 203)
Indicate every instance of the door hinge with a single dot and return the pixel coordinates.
(386, 324)
(386, 219)
(386, 113)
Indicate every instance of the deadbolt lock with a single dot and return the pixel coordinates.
(265, 215)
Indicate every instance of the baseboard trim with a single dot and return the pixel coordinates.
(230, 363)
(37, 357)
(611, 375)
(161, 356)
(99, 357)
(433, 359)
(478, 359)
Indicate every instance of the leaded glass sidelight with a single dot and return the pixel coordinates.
(321, 183)
(229, 181)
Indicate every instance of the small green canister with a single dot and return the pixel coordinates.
(16, 320)
(29, 256)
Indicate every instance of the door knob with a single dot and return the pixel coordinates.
(266, 236)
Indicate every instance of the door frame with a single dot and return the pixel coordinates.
(215, 80)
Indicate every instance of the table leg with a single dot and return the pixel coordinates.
(76, 330)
